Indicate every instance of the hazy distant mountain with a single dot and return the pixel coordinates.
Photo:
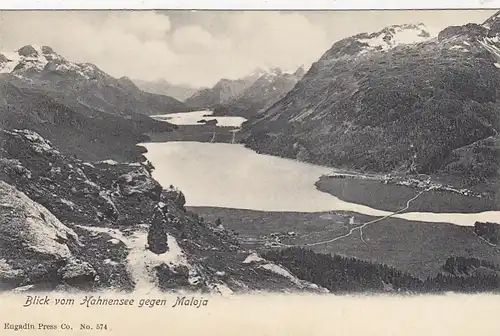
(395, 100)
(265, 91)
(180, 92)
(223, 90)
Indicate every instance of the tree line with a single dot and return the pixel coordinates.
(347, 275)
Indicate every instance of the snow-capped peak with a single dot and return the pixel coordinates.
(393, 36)
(272, 72)
(36, 60)
(28, 57)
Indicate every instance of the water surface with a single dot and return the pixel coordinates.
(192, 118)
(232, 176)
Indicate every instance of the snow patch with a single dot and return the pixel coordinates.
(68, 203)
(301, 116)
(396, 35)
(254, 257)
(489, 45)
(13, 59)
(458, 47)
(283, 272)
(23, 289)
(90, 183)
(40, 62)
(109, 162)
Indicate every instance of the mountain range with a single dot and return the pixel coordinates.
(265, 91)
(73, 218)
(225, 92)
(395, 101)
(80, 210)
(79, 107)
(163, 87)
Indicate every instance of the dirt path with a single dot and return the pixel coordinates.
(361, 227)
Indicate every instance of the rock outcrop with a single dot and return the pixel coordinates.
(34, 244)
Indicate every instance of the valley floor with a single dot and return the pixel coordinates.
(416, 247)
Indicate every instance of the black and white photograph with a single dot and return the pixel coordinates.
(232, 152)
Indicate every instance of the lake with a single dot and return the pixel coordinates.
(192, 118)
(232, 176)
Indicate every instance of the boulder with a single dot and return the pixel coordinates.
(175, 195)
(77, 273)
(139, 182)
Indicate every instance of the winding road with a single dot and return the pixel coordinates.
(361, 227)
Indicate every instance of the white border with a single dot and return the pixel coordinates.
(249, 4)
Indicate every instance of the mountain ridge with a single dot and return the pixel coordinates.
(405, 107)
(264, 91)
(161, 86)
(79, 107)
(227, 89)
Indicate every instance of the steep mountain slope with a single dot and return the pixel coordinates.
(43, 68)
(83, 110)
(223, 91)
(265, 91)
(76, 129)
(70, 224)
(180, 92)
(396, 100)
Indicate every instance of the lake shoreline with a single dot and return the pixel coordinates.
(392, 197)
(368, 194)
(415, 246)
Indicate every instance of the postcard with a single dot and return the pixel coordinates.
(249, 172)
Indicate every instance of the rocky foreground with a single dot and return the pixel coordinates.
(66, 224)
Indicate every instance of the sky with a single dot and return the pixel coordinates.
(200, 47)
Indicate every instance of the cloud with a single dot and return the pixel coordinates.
(145, 45)
(192, 39)
(199, 47)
